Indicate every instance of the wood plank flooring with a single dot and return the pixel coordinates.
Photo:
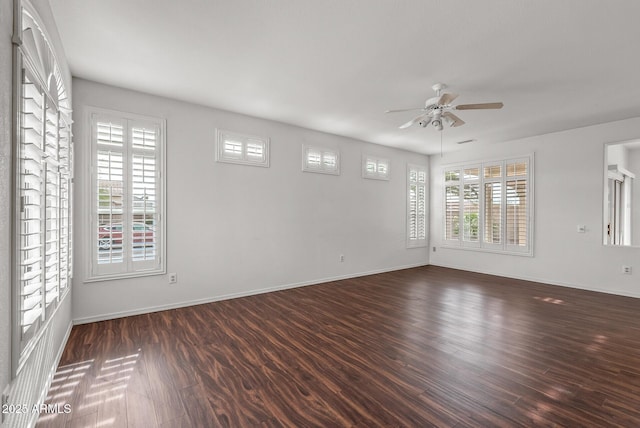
(413, 348)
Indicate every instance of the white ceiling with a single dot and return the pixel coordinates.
(337, 65)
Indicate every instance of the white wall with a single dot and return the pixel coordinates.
(236, 230)
(569, 171)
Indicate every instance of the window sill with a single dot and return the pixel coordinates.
(102, 278)
(528, 253)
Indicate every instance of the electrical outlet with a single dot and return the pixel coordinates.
(341, 258)
(581, 228)
(173, 278)
(626, 270)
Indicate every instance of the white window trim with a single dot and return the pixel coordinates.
(503, 248)
(375, 175)
(89, 191)
(417, 243)
(323, 151)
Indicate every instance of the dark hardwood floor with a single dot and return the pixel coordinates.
(414, 348)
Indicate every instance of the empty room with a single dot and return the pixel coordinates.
(297, 213)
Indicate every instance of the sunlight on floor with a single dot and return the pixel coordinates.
(97, 384)
(550, 300)
(598, 341)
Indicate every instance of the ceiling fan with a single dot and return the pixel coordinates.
(437, 110)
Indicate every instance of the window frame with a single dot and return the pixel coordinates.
(503, 247)
(323, 151)
(375, 175)
(90, 190)
(244, 139)
(48, 160)
(417, 242)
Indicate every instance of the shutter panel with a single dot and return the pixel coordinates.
(493, 213)
(471, 212)
(413, 211)
(110, 206)
(31, 247)
(417, 206)
(52, 237)
(255, 151)
(452, 205)
(516, 204)
(452, 212)
(144, 202)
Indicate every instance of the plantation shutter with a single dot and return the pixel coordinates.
(416, 206)
(126, 221)
(322, 160)
(492, 200)
(237, 148)
(375, 168)
(44, 190)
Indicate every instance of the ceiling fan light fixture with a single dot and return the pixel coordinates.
(437, 123)
(448, 121)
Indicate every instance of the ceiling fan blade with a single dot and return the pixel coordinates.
(482, 106)
(455, 120)
(413, 121)
(404, 109)
(447, 99)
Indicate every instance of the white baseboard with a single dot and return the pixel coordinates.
(540, 280)
(229, 296)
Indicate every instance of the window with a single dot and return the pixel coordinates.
(375, 168)
(127, 190)
(488, 205)
(322, 160)
(241, 149)
(44, 170)
(417, 206)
